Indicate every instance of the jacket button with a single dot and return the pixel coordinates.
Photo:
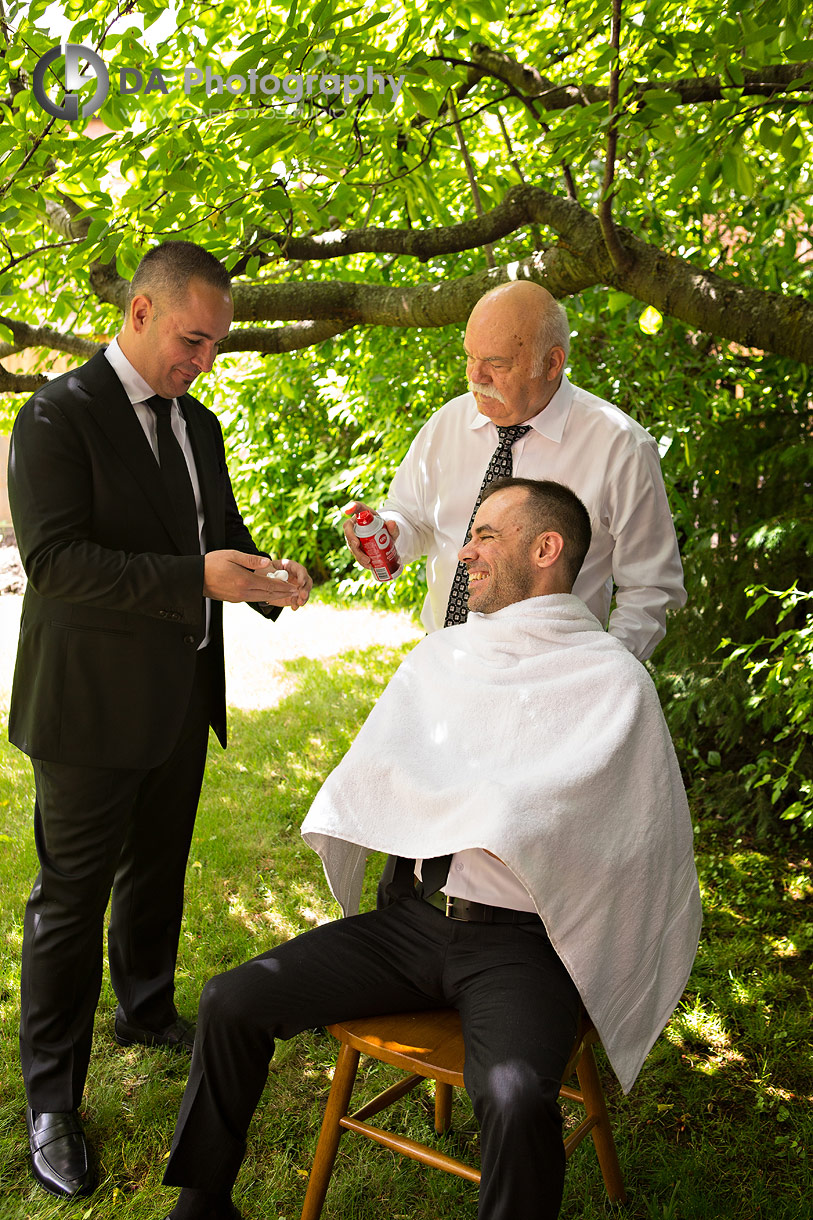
(189, 639)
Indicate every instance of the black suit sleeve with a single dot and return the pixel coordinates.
(70, 511)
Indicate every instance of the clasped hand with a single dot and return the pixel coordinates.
(232, 576)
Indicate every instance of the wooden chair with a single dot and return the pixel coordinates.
(430, 1045)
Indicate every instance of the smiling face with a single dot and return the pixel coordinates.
(511, 380)
(171, 343)
(501, 556)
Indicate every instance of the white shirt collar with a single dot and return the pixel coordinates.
(551, 420)
(134, 385)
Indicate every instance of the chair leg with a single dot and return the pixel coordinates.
(338, 1102)
(443, 1106)
(593, 1094)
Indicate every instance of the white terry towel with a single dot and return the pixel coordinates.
(532, 733)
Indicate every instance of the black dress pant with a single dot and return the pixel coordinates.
(98, 829)
(519, 1012)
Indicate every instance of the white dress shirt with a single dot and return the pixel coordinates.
(480, 877)
(608, 459)
(138, 391)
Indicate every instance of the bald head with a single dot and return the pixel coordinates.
(517, 340)
(529, 310)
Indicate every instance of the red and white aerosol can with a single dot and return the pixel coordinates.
(377, 544)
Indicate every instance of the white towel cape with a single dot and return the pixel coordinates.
(534, 734)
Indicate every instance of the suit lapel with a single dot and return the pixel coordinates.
(113, 412)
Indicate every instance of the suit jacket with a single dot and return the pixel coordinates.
(113, 613)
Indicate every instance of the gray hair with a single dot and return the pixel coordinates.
(553, 330)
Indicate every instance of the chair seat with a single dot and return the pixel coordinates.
(429, 1045)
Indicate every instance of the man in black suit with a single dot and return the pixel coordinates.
(131, 540)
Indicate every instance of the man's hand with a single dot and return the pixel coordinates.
(232, 576)
(299, 583)
(352, 541)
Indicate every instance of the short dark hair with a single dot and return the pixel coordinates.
(553, 506)
(167, 269)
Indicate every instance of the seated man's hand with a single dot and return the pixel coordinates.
(352, 541)
(232, 576)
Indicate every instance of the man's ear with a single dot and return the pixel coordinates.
(554, 363)
(140, 313)
(547, 548)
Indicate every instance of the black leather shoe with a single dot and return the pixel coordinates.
(59, 1154)
(179, 1036)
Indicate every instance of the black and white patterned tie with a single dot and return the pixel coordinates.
(501, 466)
(175, 473)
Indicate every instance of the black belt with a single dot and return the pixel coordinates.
(478, 912)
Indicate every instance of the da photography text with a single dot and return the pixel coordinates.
(289, 87)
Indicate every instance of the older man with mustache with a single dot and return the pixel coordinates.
(522, 416)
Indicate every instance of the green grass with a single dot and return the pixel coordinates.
(717, 1125)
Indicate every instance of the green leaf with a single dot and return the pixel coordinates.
(108, 251)
(376, 19)
(791, 142)
(617, 301)
(662, 101)
(770, 136)
(426, 103)
(650, 321)
(765, 33)
(799, 52)
(683, 177)
(737, 173)
(97, 227)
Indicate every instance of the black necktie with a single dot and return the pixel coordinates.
(501, 466)
(175, 474)
(434, 875)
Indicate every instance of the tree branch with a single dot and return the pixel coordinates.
(277, 340)
(20, 383)
(63, 217)
(765, 82)
(43, 336)
(702, 299)
(422, 244)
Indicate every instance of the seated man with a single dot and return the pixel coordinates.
(527, 749)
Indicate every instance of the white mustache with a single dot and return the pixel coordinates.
(485, 390)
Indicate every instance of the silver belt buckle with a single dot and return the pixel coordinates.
(449, 901)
